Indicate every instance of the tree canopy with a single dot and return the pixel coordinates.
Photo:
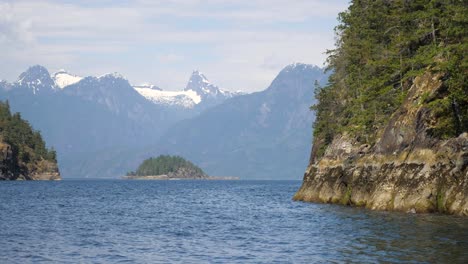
(27, 144)
(382, 45)
(164, 164)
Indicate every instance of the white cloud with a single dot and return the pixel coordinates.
(13, 30)
(170, 58)
(239, 44)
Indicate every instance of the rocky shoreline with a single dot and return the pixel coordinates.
(419, 184)
(406, 170)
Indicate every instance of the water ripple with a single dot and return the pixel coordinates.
(210, 221)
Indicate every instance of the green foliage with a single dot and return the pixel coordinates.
(381, 47)
(26, 143)
(164, 164)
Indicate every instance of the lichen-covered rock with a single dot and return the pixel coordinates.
(406, 170)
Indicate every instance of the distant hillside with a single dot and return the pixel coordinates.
(23, 153)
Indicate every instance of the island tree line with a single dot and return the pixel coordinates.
(163, 165)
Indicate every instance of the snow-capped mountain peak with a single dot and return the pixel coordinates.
(199, 91)
(114, 75)
(200, 84)
(36, 78)
(301, 67)
(198, 76)
(63, 78)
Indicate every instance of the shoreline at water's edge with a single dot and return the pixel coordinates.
(165, 177)
(416, 186)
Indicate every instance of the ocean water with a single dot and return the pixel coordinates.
(118, 221)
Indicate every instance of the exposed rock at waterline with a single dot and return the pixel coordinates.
(406, 170)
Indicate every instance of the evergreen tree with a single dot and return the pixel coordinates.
(26, 144)
(164, 164)
(381, 47)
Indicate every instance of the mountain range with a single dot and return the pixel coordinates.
(103, 126)
(255, 136)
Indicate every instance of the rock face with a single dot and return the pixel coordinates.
(406, 170)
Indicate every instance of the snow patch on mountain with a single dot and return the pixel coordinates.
(62, 78)
(186, 99)
(198, 90)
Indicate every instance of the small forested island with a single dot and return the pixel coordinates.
(391, 129)
(23, 153)
(166, 167)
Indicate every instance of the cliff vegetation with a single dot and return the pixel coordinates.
(382, 46)
(24, 154)
(391, 126)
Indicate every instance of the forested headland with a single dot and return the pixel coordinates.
(24, 152)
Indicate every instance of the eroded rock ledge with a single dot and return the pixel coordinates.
(422, 181)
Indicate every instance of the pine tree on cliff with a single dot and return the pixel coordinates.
(381, 47)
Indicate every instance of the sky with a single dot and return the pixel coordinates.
(237, 44)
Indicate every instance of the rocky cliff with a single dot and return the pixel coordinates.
(405, 170)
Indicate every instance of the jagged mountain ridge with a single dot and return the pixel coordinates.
(103, 127)
(36, 78)
(98, 117)
(255, 136)
(95, 114)
(199, 93)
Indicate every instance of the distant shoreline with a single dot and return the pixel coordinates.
(165, 177)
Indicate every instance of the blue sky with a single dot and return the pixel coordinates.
(239, 45)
